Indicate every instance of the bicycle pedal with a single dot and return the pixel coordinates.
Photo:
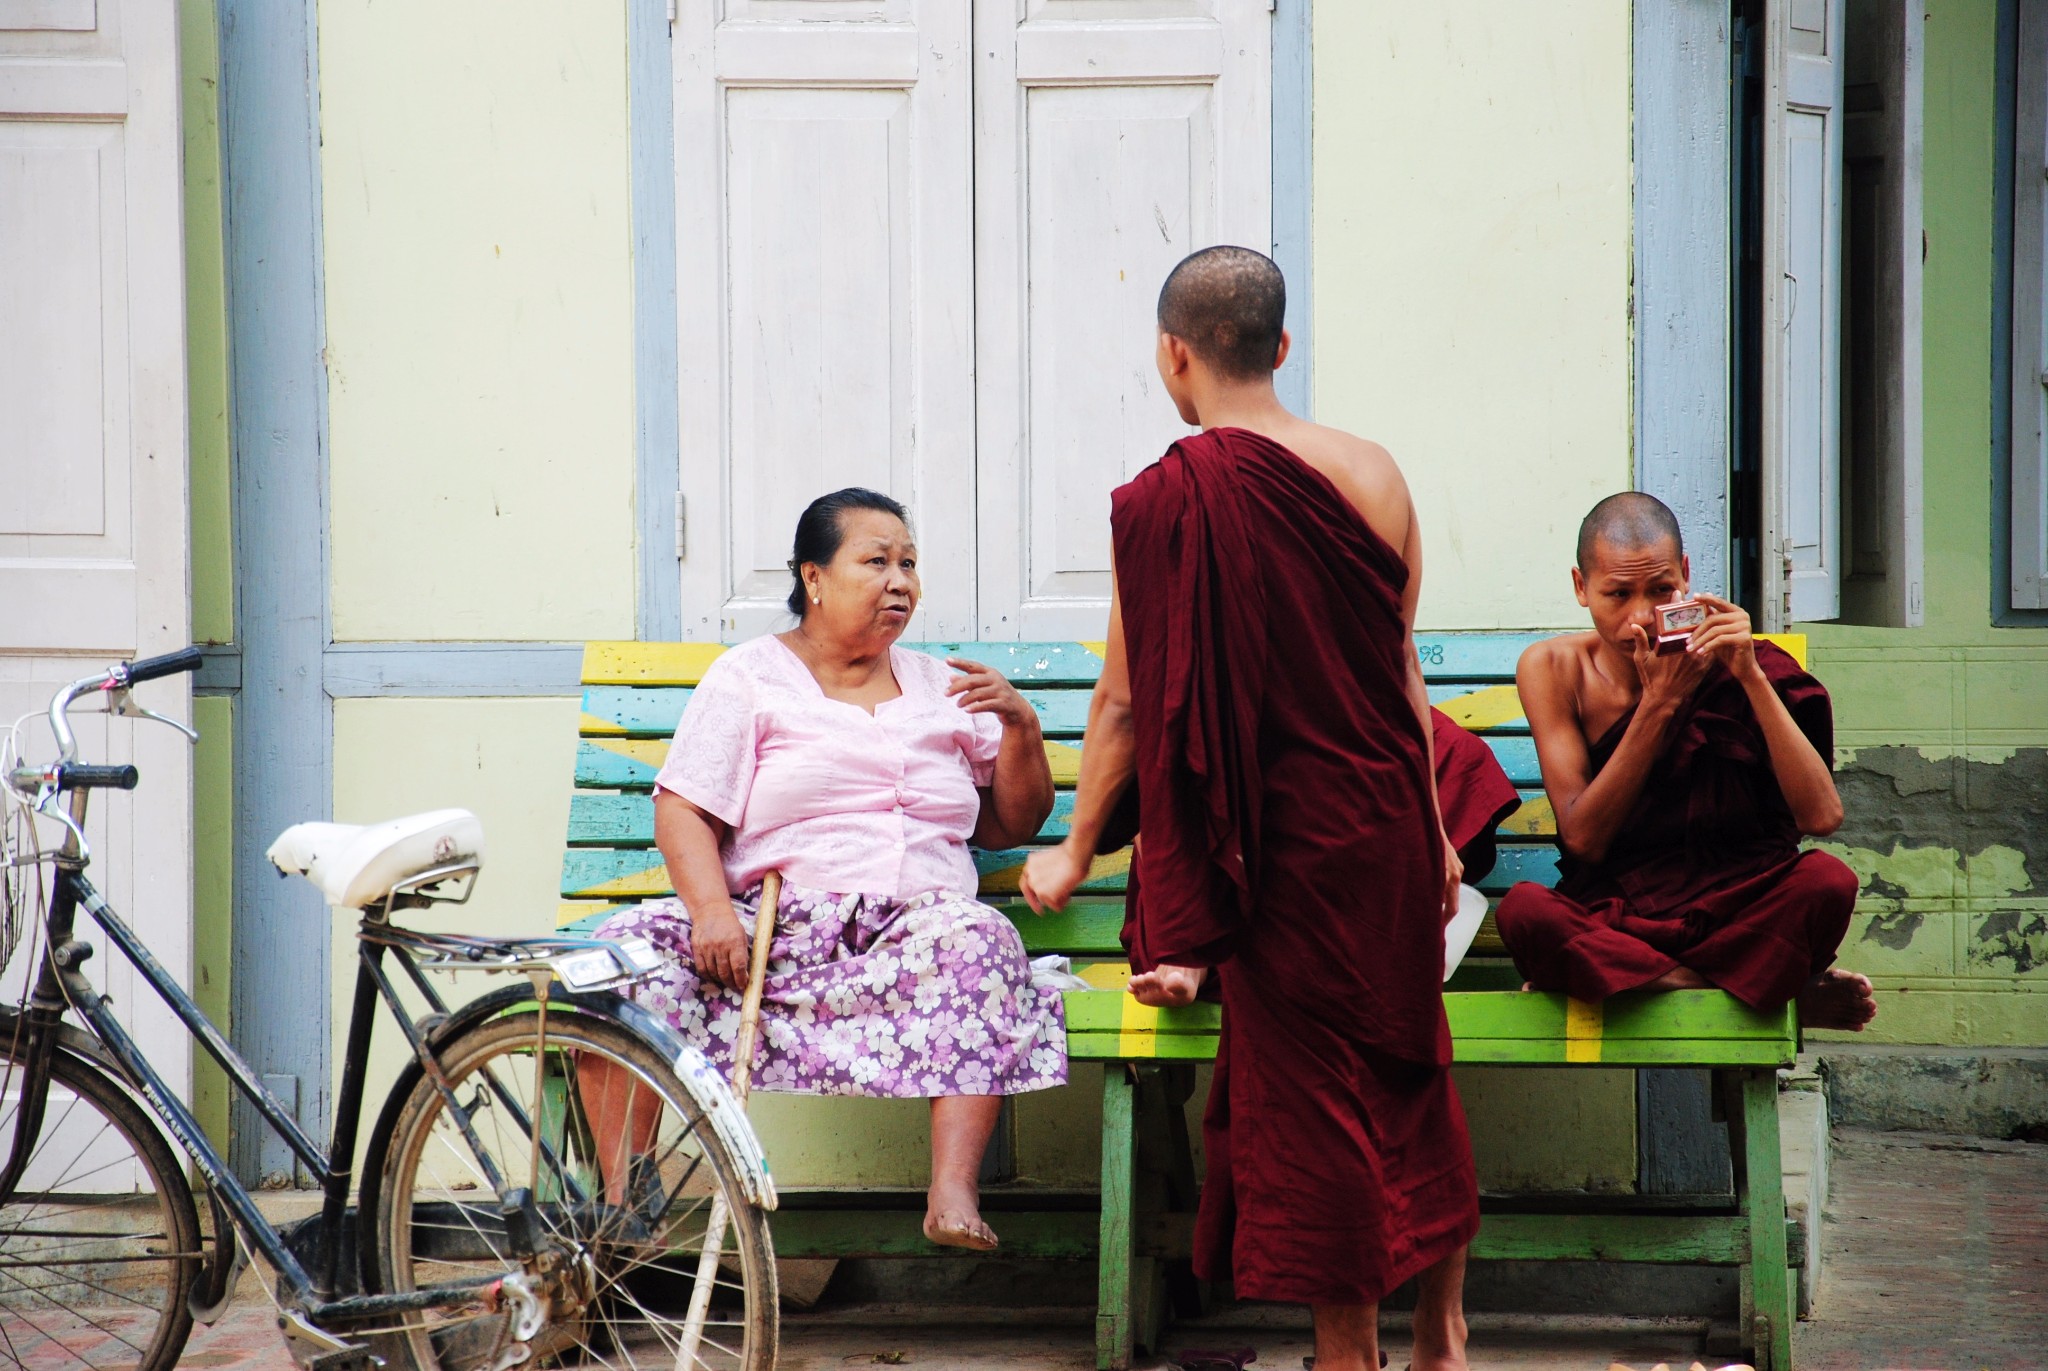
(345, 1359)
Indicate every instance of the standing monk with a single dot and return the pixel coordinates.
(1261, 688)
(1682, 785)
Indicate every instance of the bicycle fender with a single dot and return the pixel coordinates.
(710, 1090)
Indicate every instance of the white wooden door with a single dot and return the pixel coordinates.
(824, 289)
(1112, 138)
(93, 500)
(1802, 276)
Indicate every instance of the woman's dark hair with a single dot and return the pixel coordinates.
(821, 530)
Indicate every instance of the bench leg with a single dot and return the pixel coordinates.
(1114, 1329)
(1763, 1204)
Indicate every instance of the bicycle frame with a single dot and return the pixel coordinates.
(61, 984)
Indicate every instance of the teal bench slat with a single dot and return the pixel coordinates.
(627, 819)
(600, 768)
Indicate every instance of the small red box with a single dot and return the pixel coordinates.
(1676, 623)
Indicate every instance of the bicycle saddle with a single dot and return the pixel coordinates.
(358, 865)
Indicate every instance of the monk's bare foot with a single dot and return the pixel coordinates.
(1167, 987)
(1837, 999)
(1680, 978)
(952, 1218)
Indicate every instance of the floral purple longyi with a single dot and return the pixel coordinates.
(868, 995)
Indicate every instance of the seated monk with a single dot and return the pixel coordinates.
(860, 770)
(1682, 784)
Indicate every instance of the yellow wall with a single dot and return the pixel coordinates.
(1471, 226)
(474, 167)
(509, 762)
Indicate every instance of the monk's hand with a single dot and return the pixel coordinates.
(719, 945)
(1725, 637)
(1051, 875)
(1454, 877)
(1668, 678)
(1167, 987)
(982, 689)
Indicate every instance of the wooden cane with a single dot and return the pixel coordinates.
(742, 1081)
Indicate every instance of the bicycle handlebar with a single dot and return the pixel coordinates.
(84, 776)
(170, 664)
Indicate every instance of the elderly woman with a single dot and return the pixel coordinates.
(860, 770)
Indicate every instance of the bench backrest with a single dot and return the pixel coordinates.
(634, 694)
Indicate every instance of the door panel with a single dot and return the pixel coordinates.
(1112, 138)
(825, 287)
(94, 526)
(1802, 287)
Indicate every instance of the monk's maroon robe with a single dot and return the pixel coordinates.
(1472, 791)
(1706, 871)
(1287, 835)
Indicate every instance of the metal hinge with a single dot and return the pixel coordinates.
(682, 527)
(1785, 583)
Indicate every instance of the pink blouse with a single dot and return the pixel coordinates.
(831, 796)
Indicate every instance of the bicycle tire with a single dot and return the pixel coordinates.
(118, 1264)
(624, 1299)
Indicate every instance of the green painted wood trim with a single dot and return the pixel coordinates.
(637, 873)
(1668, 1240)
(1770, 1283)
(1114, 1327)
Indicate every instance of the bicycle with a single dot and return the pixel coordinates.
(539, 1186)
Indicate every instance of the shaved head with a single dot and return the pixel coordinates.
(1628, 522)
(1228, 305)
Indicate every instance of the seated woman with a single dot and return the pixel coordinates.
(860, 771)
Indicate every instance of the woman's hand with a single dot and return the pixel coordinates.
(1725, 635)
(984, 690)
(720, 946)
(1051, 875)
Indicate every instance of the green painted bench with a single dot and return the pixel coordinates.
(1139, 1226)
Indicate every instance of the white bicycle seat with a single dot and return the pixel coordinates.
(358, 865)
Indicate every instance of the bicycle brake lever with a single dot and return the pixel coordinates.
(45, 806)
(125, 706)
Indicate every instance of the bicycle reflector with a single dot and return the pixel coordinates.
(607, 964)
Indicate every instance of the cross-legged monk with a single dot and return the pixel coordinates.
(1261, 688)
(1682, 784)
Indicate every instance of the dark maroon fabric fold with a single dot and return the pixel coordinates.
(1286, 834)
(1706, 872)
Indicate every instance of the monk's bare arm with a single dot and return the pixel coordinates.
(1108, 762)
(1110, 758)
(1418, 689)
(1804, 777)
(1590, 809)
(1803, 774)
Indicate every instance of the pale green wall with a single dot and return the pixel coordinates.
(1941, 729)
(1471, 278)
(206, 336)
(213, 573)
(477, 251)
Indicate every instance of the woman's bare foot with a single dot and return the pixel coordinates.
(952, 1218)
(1167, 987)
(1837, 999)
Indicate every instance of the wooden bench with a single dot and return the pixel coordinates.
(1139, 1226)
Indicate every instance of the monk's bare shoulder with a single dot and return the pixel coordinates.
(1550, 670)
(1363, 471)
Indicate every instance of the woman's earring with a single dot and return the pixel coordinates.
(814, 600)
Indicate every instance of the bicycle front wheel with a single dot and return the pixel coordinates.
(624, 1173)
(99, 1239)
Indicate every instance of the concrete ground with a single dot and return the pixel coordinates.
(1937, 1260)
